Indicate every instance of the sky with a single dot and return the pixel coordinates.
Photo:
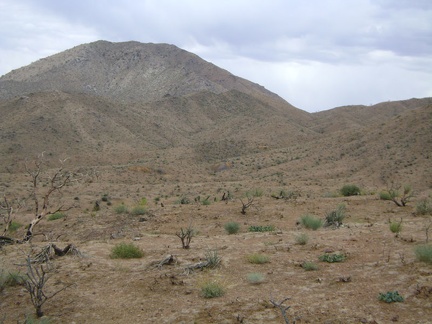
(316, 54)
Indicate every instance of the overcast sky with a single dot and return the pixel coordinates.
(316, 54)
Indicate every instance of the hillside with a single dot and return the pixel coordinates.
(124, 103)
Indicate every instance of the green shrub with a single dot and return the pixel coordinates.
(143, 201)
(212, 289)
(255, 193)
(311, 222)
(302, 239)
(138, 210)
(55, 216)
(257, 258)
(396, 227)
(391, 297)
(260, 228)
(206, 202)
(121, 209)
(13, 226)
(105, 198)
(332, 257)
(350, 190)
(335, 217)
(385, 195)
(232, 227)
(424, 253)
(424, 207)
(126, 251)
(183, 201)
(213, 259)
(10, 279)
(255, 278)
(309, 266)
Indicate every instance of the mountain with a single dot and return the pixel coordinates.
(155, 104)
(106, 101)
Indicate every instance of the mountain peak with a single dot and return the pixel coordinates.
(127, 71)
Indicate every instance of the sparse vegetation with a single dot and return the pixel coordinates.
(332, 257)
(311, 222)
(258, 258)
(212, 289)
(390, 297)
(10, 279)
(126, 251)
(121, 209)
(398, 196)
(55, 216)
(309, 266)
(138, 210)
(261, 228)
(350, 190)
(213, 259)
(301, 239)
(14, 226)
(424, 253)
(396, 227)
(232, 227)
(424, 207)
(255, 278)
(335, 217)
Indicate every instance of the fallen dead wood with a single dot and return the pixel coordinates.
(51, 250)
(168, 260)
(200, 265)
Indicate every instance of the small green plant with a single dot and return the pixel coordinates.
(143, 201)
(105, 198)
(255, 193)
(424, 207)
(390, 297)
(212, 289)
(384, 195)
(10, 279)
(56, 216)
(301, 239)
(260, 228)
(126, 251)
(332, 257)
(255, 278)
(183, 201)
(13, 226)
(396, 227)
(206, 202)
(121, 209)
(309, 266)
(232, 227)
(258, 258)
(213, 259)
(138, 210)
(350, 190)
(424, 253)
(335, 217)
(311, 222)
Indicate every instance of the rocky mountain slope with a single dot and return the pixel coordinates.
(111, 103)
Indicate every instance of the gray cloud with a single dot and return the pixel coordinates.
(316, 54)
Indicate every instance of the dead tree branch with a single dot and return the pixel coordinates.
(247, 204)
(282, 308)
(35, 284)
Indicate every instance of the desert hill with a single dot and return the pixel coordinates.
(130, 103)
